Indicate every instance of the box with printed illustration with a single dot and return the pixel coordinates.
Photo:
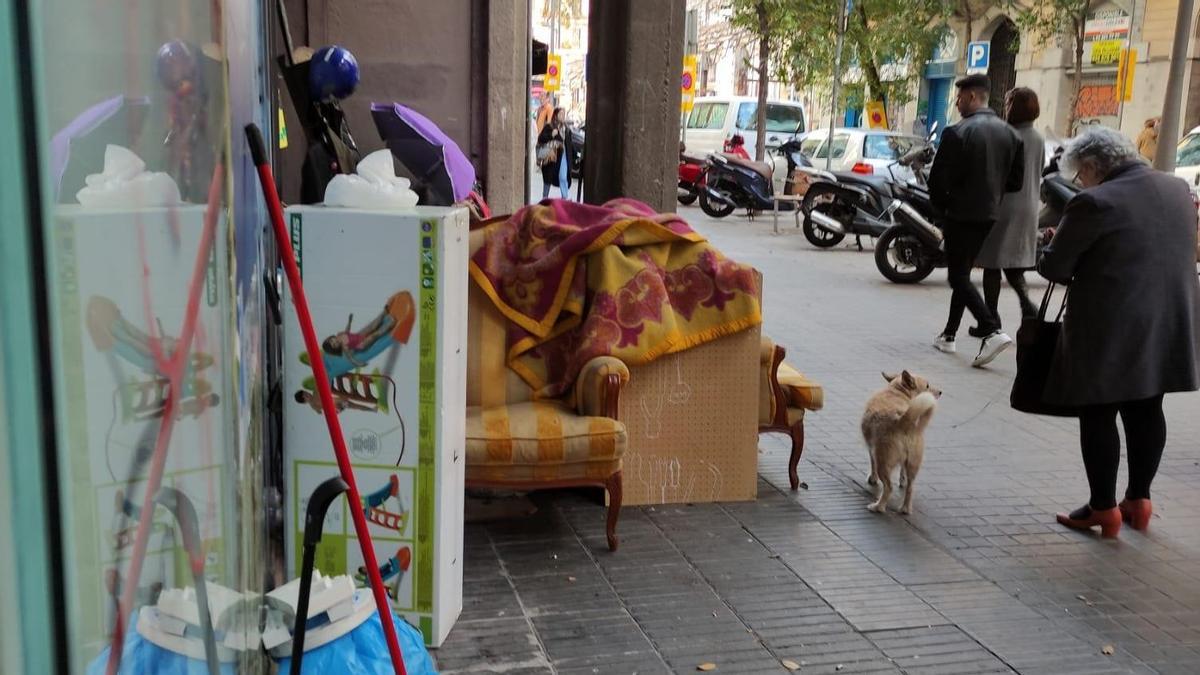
(387, 291)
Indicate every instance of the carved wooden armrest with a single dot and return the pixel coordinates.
(772, 358)
(598, 387)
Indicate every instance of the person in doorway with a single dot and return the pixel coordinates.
(1012, 244)
(545, 112)
(554, 154)
(1147, 140)
(1132, 328)
(978, 161)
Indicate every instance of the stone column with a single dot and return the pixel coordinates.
(635, 61)
(507, 96)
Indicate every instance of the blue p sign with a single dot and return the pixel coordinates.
(978, 56)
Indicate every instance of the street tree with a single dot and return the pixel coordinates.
(886, 41)
(1048, 21)
(768, 21)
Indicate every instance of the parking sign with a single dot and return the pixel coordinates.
(978, 56)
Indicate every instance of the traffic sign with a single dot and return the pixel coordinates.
(876, 115)
(1125, 70)
(553, 72)
(687, 84)
(978, 57)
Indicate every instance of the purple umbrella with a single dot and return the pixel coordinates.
(115, 120)
(426, 151)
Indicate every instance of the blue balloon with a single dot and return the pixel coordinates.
(332, 73)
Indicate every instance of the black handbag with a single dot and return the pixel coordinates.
(1037, 341)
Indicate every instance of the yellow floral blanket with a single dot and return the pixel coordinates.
(577, 281)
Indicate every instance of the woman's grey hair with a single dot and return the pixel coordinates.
(1103, 148)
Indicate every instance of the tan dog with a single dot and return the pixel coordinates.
(894, 427)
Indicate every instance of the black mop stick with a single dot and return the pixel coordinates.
(314, 521)
(185, 514)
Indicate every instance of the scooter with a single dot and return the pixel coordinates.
(730, 182)
(691, 176)
(857, 204)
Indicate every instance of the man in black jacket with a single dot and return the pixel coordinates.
(978, 160)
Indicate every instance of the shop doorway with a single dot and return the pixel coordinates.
(1006, 41)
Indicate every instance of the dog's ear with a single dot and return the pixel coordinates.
(888, 378)
(907, 380)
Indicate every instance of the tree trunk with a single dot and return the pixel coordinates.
(760, 142)
(874, 90)
(1079, 26)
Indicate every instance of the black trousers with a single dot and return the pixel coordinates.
(1145, 437)
(963, 241)
(1016, 281)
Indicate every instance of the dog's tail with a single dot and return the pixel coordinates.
(920, 411)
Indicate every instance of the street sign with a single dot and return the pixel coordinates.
(876, 115)
(978, 57)
(1125, 70)
(553, 72)
(687, 84)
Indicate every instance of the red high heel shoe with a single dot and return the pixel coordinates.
(1136, 513)
(1084, 518)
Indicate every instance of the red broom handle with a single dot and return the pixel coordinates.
(259, 154)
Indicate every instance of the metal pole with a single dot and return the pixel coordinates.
(837, 80)
(1168, 131)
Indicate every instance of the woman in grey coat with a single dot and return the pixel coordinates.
(1126, 246)
(1012, 244)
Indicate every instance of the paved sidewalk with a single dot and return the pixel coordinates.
(978, 579)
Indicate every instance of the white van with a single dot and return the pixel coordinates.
(715, 119)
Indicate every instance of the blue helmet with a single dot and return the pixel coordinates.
(332, 73)
(176, 63)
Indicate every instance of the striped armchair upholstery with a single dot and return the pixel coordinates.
(785, 395)
(516, 442)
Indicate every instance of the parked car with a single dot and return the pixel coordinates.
(865, 151)
(716, 119)
(1187, 159)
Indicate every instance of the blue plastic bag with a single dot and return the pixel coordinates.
(363, 651)
(142, 657)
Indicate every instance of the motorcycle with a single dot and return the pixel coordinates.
(691, 176)
(856, 204)
(909, 251)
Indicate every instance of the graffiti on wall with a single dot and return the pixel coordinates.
(1096, 100)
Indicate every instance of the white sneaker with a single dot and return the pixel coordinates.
(944, 344)
(990, 348)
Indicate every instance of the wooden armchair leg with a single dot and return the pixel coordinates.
(613, 485)
(797, 451)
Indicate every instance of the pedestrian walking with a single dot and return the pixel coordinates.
(1011, 246)
(554, 150)
(1147, 140)
(978, 161)
(1132, 327)
(545, 112)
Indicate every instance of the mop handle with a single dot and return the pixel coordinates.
(258, 153)
(314, 522)
(184, 511)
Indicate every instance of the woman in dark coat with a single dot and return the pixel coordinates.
(1126, 246)
(1011, 246)
(557, 171)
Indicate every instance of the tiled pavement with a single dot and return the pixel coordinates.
(978, 580)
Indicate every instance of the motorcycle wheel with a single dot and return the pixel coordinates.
(714, 210)
(687, 198)
(824, 198)
(900, 257)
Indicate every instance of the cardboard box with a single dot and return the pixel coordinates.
(388, 295)
(692, 419)
(118, 277)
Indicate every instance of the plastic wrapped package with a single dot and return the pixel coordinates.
(364, 652)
